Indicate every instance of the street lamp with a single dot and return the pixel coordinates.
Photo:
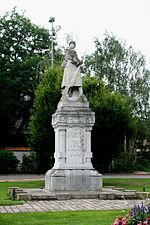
(51, 20)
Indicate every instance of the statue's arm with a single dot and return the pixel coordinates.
(76, 60)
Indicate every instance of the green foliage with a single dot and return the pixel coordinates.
(122, 70)
(125, 161)
(23, 45)
(142, 141)
(8, 162)
(143, 161)
(113, 122)
(142, 145)
(42, 135)
(29, 163)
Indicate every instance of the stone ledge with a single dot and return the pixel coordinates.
(24, 196)
(106, 196)
(43, 197)
(142, 195)
(13, 191)
(43, 194)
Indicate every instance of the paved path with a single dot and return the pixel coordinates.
(69, 205)
(20, 177)
(66, 205)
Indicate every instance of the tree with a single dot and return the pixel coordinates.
(122, 70)
(23, 46)
(139, 92)
(42, 136)
(114, 122)
(142, 145)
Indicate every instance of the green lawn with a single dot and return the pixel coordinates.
(101, 217)
(128, 183)
(62, 218)
(4, 198)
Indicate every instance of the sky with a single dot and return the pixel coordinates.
(86, 20)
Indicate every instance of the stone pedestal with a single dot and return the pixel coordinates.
(73, 170)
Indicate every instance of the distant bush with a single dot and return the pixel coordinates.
(143, 161)
(29, 163)
(124, 162)
(8, 162)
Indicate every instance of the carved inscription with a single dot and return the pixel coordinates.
(73, 139)
(74, 158)
(74, 154)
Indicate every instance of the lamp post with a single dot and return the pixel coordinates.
(51, 20)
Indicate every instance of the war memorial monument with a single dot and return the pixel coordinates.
(73, 122)
(73, 176)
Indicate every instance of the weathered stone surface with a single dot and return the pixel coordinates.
(119, 189)
(73, 122)
(73, 170)
(142, 195)
(13, 191)
(106, 196)
(12, 188)
(24, 196)
(73, 180)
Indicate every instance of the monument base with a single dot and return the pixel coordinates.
(73, 180)
(73, 170)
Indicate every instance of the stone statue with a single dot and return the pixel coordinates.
(72, 82)
(73, 173)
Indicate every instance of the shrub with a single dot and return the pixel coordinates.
(143, 161)
(124, 162)
(8, 162)
(29, 163)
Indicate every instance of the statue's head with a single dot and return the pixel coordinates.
(72, 44)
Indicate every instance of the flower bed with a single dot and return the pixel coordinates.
(139, 215)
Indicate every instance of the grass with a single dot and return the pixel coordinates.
(4, 198)
(62, 218)
(129, 183)
(101, 217)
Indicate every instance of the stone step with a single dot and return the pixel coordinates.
(43, 197)
(41, 194)
(106, 194)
